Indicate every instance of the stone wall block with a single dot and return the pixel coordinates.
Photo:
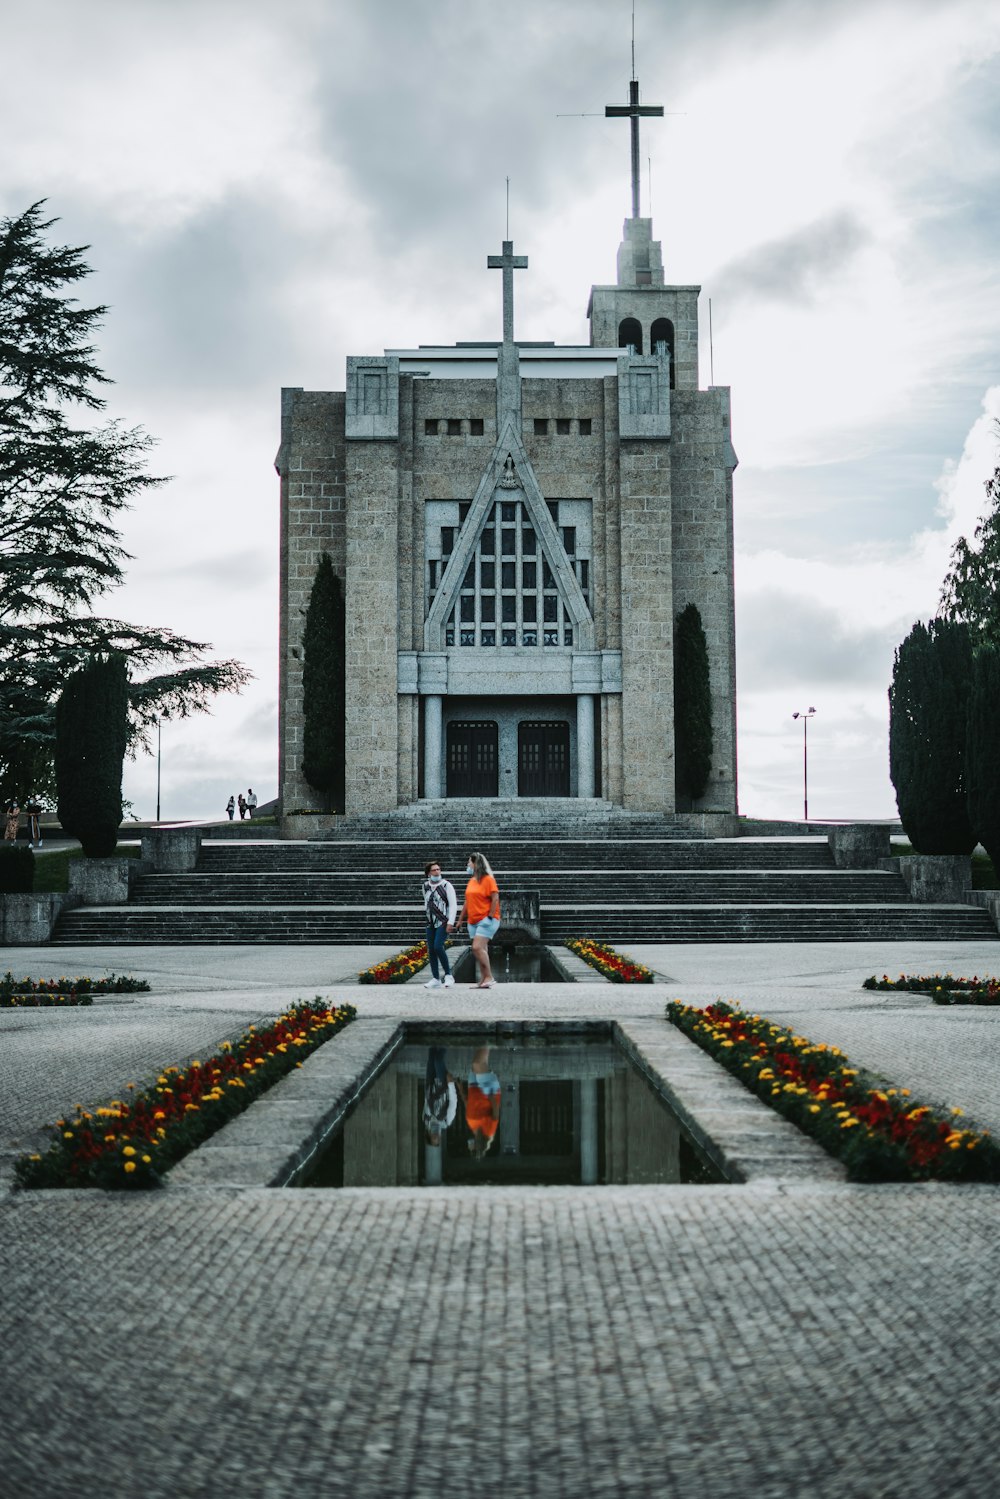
(171, 850)
(100, 882)
(27, 919)
(937, 877)
(859, 845)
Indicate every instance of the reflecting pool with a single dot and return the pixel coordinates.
(478, 1111)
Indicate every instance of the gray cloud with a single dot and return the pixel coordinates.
(793, 269)
(785, 641)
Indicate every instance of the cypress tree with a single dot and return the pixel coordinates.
(323, 686)
(91, 735)
(692, 706)
(982, 762)
(928, 703)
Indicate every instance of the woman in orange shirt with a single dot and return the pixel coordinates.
(481, 908)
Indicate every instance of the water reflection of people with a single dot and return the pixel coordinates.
(481, 1097)
(440, 1096)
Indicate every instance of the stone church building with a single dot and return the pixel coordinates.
(517, 527)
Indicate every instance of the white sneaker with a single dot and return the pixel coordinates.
(433, 984)
(449, 981)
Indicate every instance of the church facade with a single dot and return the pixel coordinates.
(517, 527)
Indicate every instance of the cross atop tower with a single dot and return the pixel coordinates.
(631, 111)
(508, 262)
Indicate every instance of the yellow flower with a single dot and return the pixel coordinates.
(147, 1159)
(129, 1150)
(130, 1165)
(814, 1108)
(67, 1134)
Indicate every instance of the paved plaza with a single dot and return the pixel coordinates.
(789, 1339)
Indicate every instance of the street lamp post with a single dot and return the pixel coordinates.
(159, 721)
(805, 717)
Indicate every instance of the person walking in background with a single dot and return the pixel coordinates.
(481, 908)
(231, 807)
(481, 1098)
(251, 801)
(440, 904)
(13, 815)
(242, 806)
(34, 811)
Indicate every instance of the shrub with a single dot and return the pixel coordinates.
(692, 706)
(323, 685)
(17, 870)
(983, 736)
(928, 703)
(91, 731)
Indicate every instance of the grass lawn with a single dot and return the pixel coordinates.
(52, 869)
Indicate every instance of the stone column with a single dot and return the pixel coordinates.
(588, 1131)
(585, 744)
(432, 747)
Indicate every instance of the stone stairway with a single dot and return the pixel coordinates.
(617, 889)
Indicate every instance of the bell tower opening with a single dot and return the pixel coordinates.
(630, 335)
(661, 341)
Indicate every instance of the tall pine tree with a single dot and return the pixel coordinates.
(65, 480)
(928, 703)
(323, 686)
(692, 707)
(91, 735)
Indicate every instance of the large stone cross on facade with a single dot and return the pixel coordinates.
(508, 262)
(631, 111)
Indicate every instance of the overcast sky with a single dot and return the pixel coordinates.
(267, 188)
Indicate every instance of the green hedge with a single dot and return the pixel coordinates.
(17, 870)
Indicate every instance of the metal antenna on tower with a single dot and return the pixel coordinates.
(711, 347)
(507, 235)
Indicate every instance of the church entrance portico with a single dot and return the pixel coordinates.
(509, 748)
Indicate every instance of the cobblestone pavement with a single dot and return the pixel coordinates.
(711, 1341)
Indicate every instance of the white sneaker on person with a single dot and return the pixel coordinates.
(433, 984)
(449, 981)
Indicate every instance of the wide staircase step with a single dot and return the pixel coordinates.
(536, 853)
(379, 888)
(672, 924)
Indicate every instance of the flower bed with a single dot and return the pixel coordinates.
(618, 969)
(943, 988)
(398, 969)
(21, 990)
(878, 1132)
(132, 1142)
(44, 1001)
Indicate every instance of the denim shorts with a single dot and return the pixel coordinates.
(488, 927)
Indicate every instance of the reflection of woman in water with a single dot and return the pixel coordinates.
(440, 1096)
(481, 1097)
